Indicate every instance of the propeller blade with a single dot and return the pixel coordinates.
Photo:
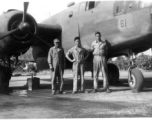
(25, 10)
(35, 36)
(3, 35)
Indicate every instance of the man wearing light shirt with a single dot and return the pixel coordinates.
(79, 55)
(99, 50)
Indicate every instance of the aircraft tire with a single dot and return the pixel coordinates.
(137, 80)
(113, 74)
(5, 76)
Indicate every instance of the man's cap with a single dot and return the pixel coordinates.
(56, 40)
(76, 38)
(98, 33)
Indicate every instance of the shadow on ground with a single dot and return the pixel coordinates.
(41, 104)
(121, 86)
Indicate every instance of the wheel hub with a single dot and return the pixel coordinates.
(132, 82)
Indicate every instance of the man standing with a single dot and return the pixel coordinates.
(56, 61)
(99, 49)
(79, 55)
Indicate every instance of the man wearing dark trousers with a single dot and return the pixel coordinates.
(56, 61)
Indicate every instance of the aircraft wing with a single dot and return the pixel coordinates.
(47, 32)
(42, 42)
(51, 29)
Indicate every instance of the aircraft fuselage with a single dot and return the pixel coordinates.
(129, 28)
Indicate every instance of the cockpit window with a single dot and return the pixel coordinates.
(90, 5)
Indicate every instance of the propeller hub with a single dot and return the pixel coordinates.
(24, 26)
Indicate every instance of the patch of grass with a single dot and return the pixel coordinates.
(43, 72)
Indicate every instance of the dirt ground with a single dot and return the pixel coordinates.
(40, 103)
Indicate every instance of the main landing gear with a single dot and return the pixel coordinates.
(135, 76)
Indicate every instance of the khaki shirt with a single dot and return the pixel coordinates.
(98, 48)
(77, 53)
(56, 56)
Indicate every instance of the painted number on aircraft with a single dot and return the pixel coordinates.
(123, 23)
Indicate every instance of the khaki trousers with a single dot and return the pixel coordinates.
(78, 69)
(58, 72)
(99, 64)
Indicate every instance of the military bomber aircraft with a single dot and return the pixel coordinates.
(125, 25)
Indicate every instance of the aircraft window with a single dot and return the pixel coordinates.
(91, 5)
(141, 4)
(119, 7)
(131, 6)
(82, 7)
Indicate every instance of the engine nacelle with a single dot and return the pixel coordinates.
(18, 42)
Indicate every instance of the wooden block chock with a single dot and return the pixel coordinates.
(33, 83)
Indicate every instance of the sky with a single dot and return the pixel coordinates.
(41, 9)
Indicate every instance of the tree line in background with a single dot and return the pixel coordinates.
(142, 61)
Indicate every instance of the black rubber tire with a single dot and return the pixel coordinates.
(138, 80)
(113, 74)
(5, 76)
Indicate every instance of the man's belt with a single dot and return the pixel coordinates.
(98, 54)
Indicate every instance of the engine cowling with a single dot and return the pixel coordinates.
(20, 41)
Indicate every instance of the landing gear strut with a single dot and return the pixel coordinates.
(135, 76)
(5, 75)
(113, 74)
